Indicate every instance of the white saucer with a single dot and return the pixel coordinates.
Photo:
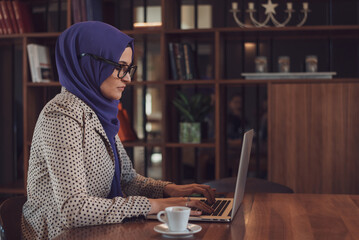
(163, 228)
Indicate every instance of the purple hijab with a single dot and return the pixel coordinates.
(83, 77)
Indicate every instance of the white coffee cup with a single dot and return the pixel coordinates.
(175, 217)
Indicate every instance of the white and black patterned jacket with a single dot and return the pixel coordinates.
(71, 168)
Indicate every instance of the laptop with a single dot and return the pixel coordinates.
(226, 208)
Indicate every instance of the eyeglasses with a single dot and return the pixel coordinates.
(122, 69)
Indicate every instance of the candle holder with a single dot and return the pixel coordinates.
(283, 64)
(270, 12)
(311, 63)
(261, 64)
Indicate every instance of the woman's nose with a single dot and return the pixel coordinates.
(127, 78)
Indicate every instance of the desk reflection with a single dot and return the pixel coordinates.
(261, 216)
(143, 229)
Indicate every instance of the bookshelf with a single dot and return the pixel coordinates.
(226, 55)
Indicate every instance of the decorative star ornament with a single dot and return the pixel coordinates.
(270, 7)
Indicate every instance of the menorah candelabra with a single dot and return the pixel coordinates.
(270, 12)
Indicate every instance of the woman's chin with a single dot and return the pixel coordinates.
(114, 97)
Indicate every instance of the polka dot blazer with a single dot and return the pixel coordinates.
(71, 168)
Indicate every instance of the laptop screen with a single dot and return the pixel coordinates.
(242, 171)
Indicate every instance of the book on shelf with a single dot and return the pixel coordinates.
(6, 18)
(12, 17)
(204, 13)
(76, 15)
(23, 16)
(94, 10)
(187, 66)
(172, 61)
(79, 11)
(153, 16)
(56, 13)
(177, 57)
(51, 16)
(87, 10)
(15, 17)
(83, 10)
(189, 62)
(182, 61)
(2, 24)
(40, 63)
(187, 16)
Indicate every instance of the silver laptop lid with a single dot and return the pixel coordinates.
(242, 171)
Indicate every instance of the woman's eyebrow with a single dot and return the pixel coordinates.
(123, 62)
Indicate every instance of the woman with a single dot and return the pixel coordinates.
(79, 173)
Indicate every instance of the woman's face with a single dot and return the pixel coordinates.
(113, 87)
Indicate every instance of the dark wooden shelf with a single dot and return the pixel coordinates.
(305, 32)
(181, 82)
(44, 84)
(220, 81)
(180, 145)
(327, 28)
(32, 35)
(321, 28)
(173, 82)
(141, 143)
(191, 31)
(149, 31)
(144, 31)
(243, 81)
(144, 83)
(14, 188)
(253, 81)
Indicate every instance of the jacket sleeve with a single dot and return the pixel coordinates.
(134, 184)
(62, 147)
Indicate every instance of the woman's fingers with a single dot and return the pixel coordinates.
(205, 207)
(211, 193)
(195, 213)
(200, 206)
(188, 189)
(205, 191)
(197, 206)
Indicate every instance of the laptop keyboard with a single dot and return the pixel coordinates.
(219, 207)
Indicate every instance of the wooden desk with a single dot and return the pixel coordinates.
(261, 216)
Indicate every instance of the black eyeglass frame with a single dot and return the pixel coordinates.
(131, 69)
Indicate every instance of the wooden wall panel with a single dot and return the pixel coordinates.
(314, 134)
(353, 136)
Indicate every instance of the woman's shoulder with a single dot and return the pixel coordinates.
(68, 104)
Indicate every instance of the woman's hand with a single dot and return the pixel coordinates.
(173, 190)
(161, 203)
